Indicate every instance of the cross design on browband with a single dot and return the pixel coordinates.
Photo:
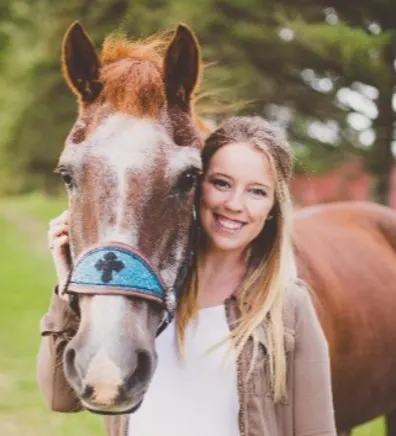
(108, 264)
(117, 269)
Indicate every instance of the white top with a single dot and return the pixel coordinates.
(197, 396)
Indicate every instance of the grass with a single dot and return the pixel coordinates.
(25, 281)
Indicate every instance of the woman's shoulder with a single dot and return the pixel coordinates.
(296, 297)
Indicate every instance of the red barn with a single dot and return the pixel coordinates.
(349, 181)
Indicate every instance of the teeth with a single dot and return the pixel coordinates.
(228, 224)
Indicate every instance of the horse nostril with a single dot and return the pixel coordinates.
(88, 392)
(70, 363)
(142, 370)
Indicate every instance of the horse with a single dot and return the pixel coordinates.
(131, 163)
(346, 253)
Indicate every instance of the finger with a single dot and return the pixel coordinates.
(63, 295)
(57, 231)
(59, 242)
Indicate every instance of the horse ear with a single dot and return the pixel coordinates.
(81, 63)
(181, 67)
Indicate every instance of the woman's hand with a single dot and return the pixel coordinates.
(58, 242)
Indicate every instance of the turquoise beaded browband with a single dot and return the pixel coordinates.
(116, 269)
(119, 270)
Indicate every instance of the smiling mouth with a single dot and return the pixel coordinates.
(228, 224)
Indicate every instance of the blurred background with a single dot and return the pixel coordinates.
(322, 70)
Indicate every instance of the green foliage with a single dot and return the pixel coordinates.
(357, 52)
(26, 280)
(268, 58)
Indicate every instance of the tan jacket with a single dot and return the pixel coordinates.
(307, 409)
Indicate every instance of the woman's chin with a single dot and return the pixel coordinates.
(227, 244)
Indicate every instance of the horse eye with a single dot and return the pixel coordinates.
(67, 180)
(65, 176)
(188, 180)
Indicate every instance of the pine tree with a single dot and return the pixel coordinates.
(330, 79)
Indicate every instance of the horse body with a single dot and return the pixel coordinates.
(346, 252)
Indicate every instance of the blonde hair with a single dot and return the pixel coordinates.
(271, 262)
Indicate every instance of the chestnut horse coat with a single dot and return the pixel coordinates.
(346, 252)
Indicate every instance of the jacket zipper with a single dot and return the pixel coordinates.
(241, 417)
(241, 403)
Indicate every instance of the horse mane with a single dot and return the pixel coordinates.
(132, 74)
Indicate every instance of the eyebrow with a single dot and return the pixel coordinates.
(263, 185)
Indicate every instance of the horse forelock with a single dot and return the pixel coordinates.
(132, 75)
(134, 87)
(117, 46)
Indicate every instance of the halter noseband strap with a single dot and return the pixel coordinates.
(114, 268)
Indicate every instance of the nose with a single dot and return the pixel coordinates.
(102, 383)
(235, 201)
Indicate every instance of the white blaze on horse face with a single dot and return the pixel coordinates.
(106, 316)
(103, 374)
(127, 145)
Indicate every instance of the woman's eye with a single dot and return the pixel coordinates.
(220, 183)
(258, 192)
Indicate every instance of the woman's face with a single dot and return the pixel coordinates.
(237, 196)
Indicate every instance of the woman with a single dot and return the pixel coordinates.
(246, 348)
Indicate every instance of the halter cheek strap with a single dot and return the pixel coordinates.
(173, 296)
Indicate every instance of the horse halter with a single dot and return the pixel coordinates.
(114, 268)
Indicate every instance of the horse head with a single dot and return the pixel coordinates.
(130, 164)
